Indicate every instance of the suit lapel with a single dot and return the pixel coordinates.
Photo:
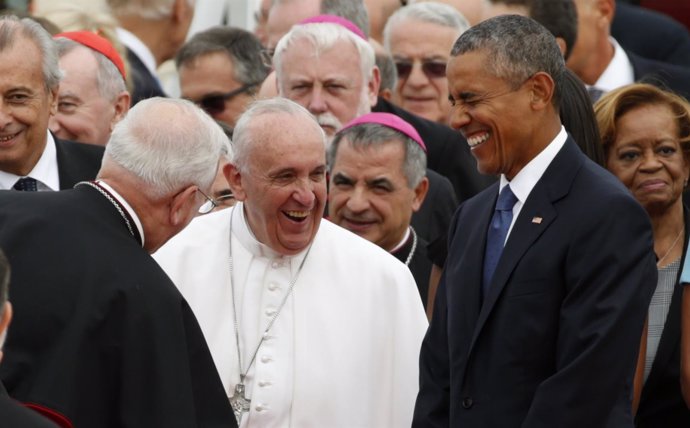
(537, 214)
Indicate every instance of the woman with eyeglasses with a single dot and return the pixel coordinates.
(421, 55)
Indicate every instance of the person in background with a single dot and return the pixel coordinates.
(645, 134)
(377, 165)
(93, 95)
(221, 70)
(420, 56)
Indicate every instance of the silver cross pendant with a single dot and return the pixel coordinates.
(239, 403)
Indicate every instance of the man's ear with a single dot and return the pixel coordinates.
(373, 86)
(562, 46)
(541, 87)
(182, 204)
(53, 98)
(420, 193)
(121, 106)
(5, 324)
(234, 177)
(606, 10)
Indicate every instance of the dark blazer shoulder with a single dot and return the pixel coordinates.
(77, 162)
(145, 85)
(668, 76)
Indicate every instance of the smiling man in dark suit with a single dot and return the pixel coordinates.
(540, 310)
(30, 157)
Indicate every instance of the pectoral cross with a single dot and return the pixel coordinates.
(239, 403)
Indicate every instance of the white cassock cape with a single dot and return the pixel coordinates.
(343, 351)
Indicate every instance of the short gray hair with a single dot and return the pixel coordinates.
(517, 47)
(11, 27)
(149, 9)
(431, 12)
(109, 81)
(168, 144)
(354, 11)
(376, 135)
(243, 137)
(324, 36)
(242, 47)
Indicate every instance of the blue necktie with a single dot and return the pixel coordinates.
(26, 184)
(496, 235)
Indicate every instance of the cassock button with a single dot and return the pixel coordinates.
(259, 408)
(264, 383)
(266, 359)
(276, 265)
(467, 402)
(273, 286)
(270, 311)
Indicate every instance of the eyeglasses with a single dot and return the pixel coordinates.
(207, 206)
(215, 103)
(432, 69)
(226, 200)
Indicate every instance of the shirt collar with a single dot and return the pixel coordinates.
(45, 171)
(139, 49)
(243, 232)
(618, 73)
(127, 207)
(525, 180)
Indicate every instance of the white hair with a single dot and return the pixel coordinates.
(167, 143)
(431, 12)
(149, 9)
(324, 36)
(243, 137)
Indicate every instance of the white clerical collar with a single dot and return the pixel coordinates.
(45, 171)
(243, 232)
(618, 73)
(525, 180)
(401, 243)
(139, 49)
(127, 207)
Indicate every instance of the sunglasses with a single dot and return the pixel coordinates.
(215, 103)
(432, 69)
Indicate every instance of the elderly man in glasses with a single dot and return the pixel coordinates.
(420, 56)
(221, 69)
(101, 336)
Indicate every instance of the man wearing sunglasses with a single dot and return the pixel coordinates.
(420, 56)
(221, 70)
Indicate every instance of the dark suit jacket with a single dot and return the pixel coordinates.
(555, 342)
(419, 265)
(651, 34)
(77, 162)
(447, 152)
(433, 217)
(145, 84)
(661, 403)
(100, 333)
(14, 415)
(665, 75)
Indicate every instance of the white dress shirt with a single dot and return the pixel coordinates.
(45, 172)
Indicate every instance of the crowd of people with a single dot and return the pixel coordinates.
(359, 213)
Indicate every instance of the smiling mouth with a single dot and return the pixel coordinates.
(477, 139)
(298, 216)
(6, 138)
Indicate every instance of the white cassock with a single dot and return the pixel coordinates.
(343, 351)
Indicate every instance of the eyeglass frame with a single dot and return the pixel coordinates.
(207, 206)
(224, 97)
(426, 66)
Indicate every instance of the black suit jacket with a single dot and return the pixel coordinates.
(555, 342)
(100, 334)
(662, 74)
(447, 152)
(145, 84)
(14, 415)
(651, 34)
(661, 403)
(77, 162)
(433, 217)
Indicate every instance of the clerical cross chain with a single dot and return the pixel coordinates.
(239, 403)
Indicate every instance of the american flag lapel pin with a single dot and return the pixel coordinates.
(536, 220)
